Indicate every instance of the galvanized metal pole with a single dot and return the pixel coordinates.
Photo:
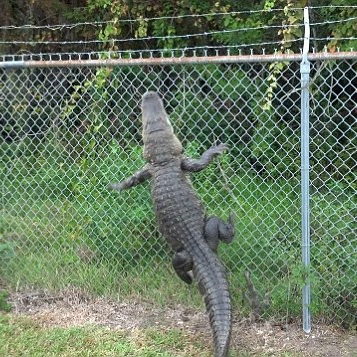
(305, 194)
(28, 61)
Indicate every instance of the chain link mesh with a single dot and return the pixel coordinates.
(66, 133)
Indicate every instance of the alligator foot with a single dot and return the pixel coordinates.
(183, 264)
(217, 230)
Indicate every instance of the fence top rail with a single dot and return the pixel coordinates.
(57, 61)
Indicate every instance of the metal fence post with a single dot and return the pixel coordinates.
(305, 203)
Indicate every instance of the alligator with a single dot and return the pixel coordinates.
(181, 218)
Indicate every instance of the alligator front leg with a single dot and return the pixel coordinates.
(139, 177)
(194, 165)
(217, 230)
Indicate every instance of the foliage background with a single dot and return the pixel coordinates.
(155, 21)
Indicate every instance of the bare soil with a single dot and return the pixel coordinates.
(74, 308)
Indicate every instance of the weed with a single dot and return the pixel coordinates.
(4, 305)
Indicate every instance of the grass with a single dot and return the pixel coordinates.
(60, 226)
(21, 336)
(55, 272)
(4, 305)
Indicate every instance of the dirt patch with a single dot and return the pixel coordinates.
(322, 341)
(74, 308)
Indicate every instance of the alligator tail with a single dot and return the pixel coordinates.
(212, 281)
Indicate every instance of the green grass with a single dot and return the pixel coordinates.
(55, 271)
(21, 336)
(4, 305)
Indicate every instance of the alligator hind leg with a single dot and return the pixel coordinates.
(217, 230)
(183, 264)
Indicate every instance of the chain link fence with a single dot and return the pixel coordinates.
(66, 133)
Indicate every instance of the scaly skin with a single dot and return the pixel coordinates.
(181, 217)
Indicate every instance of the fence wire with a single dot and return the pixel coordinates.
(66, 133)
